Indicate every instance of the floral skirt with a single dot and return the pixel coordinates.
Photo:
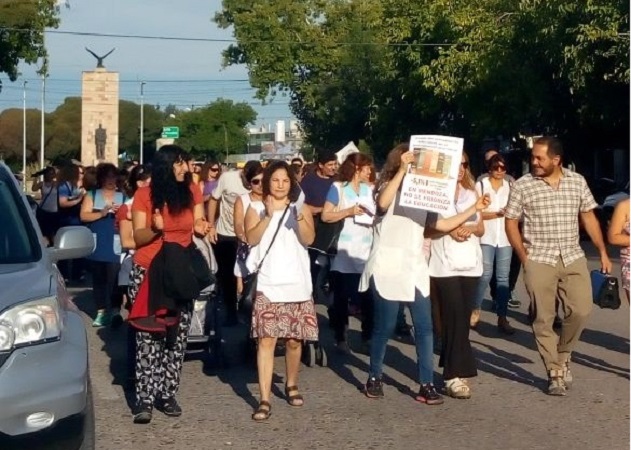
(284, 320)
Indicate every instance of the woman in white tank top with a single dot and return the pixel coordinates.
(253, 176)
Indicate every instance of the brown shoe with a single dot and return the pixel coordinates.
(504, 326)
(475, 318)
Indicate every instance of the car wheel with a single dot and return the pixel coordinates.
(89, 428)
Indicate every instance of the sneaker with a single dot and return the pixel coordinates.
(169, 407)
(374, 388)
(427, 394)
(568, 378)
(556, 386)
(143, 413)
(102, 319)
(513, 303)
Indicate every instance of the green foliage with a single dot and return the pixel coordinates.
(216, 129)
(384, 69)
(22, 24)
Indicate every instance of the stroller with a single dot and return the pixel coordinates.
(205, 329)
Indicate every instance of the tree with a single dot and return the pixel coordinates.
(22, 24)
(129, 127)
(216, 129)
(388, 68)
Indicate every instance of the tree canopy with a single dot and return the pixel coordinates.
(384, 69)
(22, 25)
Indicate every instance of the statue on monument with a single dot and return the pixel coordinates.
(99, 59)
(100, 137)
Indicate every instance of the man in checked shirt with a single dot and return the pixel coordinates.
(551, 200)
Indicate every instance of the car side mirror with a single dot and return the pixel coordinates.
(72, 243)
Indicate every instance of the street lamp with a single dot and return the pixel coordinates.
(142, 120)
(24, 135)
(41, 138)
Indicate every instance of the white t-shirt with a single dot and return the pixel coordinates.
(240, 270)
(494, 231)
(450, 258)
(285, 275)
(229, 188)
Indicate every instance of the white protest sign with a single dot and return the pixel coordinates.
(430, 183)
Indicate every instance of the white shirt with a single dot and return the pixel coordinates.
(450, 258)
(285, 275)
(229, 188)
(397, 262)
(494, 231)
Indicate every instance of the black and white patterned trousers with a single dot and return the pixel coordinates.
(159, 358)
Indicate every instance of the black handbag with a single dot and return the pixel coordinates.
(605, 290)
(250, 281)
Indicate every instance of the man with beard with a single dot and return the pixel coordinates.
(551, 200)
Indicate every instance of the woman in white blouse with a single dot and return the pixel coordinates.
(283, 309)
(455, 266)
(495, 246)
(397, 271)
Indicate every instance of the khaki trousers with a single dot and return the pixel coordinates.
(572, 286)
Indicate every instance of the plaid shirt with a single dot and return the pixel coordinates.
(551, 216)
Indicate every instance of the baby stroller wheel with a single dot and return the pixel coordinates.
(309, 354)
(321, 357)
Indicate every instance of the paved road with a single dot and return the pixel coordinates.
(508, 409)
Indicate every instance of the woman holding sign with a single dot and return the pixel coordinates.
(397, 271)
(455, 266)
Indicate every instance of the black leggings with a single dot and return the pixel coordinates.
(453, 296)
(105, 285)
(226, 254)
(345, 289)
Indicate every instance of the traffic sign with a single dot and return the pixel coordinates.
(170, 132)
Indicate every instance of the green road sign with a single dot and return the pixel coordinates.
(170, 132)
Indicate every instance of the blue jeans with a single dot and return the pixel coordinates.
(501, 257)
(385, 319)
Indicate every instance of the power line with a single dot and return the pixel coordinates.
(254, 41)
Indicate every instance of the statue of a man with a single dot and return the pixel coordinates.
(100, 138)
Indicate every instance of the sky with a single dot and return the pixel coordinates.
(184, 73)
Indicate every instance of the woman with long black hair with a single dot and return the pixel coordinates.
(168, 211)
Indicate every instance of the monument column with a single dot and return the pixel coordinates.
(99, 117)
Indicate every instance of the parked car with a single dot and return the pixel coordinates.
(45, 391)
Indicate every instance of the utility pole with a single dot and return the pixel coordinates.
(24, 135)
(225, 140)
(142, 121)
(42, 135)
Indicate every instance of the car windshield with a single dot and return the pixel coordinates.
(18, 239)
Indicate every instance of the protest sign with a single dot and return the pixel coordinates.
(430, 183)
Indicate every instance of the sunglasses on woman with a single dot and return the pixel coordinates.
(256, 181)
(499, 168)
(214, 169)
(465, 165)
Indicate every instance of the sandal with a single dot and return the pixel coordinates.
(263, 412)
(457, 388)
(296, 399)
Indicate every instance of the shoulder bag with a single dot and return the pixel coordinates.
(327, 234)
(249, 282)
